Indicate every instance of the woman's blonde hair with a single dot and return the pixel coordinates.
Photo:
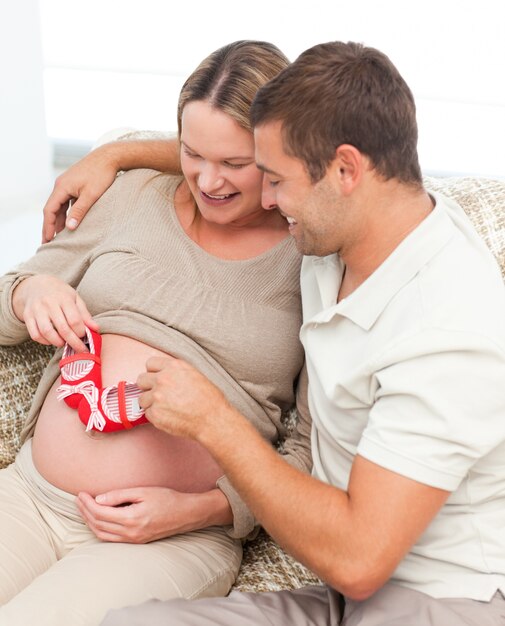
(230, 77)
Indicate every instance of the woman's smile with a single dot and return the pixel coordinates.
(218, 200)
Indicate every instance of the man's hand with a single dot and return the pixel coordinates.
(53, 312)
(90, 177)
(144, 514)
(83, 183)
(352, 539)
(178, 399)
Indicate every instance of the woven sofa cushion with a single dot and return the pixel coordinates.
(266, 567)
(484, 202)
(21, 368)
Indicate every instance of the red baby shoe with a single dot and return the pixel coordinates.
(80, 367)
(113, 408)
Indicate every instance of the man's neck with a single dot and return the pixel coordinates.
(390, 213)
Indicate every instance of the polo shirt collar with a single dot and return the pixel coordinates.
(364, 305)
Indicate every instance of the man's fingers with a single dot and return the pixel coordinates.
(80, 207)
(59, 222)
(54, 213)
(48, 229)
(154, 364)
(145, 399)
(144, 381)
(157, 363)
(62, 210)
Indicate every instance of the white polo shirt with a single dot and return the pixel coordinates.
(409, 372)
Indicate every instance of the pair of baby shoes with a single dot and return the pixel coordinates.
(107, 410)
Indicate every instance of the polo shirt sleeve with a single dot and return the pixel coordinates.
(439, 406)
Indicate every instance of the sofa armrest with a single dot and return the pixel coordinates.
(21, 368)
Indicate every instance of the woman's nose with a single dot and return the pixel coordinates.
(210, 178)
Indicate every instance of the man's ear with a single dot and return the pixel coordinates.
(347, 168)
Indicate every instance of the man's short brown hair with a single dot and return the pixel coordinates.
(343, 93)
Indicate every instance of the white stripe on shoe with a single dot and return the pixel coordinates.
(78, 369)
(110, 403)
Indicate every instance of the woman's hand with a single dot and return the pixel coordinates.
(143, 514)
(53, 312)
(84, 182)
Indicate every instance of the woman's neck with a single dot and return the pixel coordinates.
(240, 239)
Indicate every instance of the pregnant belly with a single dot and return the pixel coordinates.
(74, 460)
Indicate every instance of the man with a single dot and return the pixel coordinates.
(404, 332)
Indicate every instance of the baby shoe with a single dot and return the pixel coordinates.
(79, 367)
(113, 408)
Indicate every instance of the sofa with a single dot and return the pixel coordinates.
(265, 566)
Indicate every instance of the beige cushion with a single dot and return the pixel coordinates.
(484, 202)
(21, 368)
(266, 567)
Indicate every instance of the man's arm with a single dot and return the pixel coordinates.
(89, 178)
(296, 450)
(353, 540)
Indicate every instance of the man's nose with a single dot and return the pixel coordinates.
(268, 196)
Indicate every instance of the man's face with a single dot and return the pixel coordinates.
(313, 210)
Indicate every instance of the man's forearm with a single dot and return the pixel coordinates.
(352, 539)
(158, 154)
(300, 512)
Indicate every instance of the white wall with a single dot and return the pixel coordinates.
(110, 63)
(24, 147)
(121, 62)
(115, 63)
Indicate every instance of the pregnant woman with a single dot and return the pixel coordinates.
(186, 266)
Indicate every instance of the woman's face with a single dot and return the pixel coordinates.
(217, 159)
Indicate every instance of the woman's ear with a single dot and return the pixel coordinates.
(347, 168)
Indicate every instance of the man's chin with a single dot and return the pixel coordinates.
(308, 249)
(300, 244)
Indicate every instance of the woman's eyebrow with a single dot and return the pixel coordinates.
(248, 157)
